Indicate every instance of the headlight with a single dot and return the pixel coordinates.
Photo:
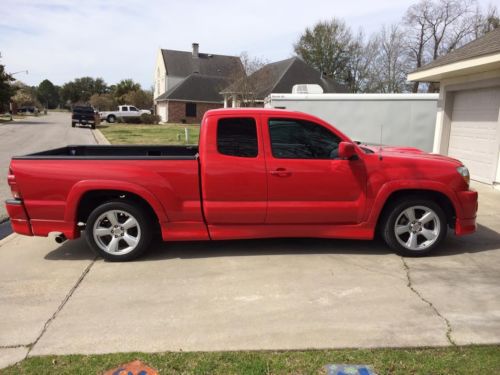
(464, 172)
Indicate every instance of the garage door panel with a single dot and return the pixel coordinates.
(474, 133)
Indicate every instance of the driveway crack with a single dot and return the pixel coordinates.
(61, 305)
(431, 305)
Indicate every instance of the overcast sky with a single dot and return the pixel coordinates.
(62, 40)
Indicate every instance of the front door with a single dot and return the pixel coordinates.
(308, 183)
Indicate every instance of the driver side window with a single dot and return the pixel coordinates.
(299, 139)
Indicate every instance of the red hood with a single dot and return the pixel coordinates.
(409, 151)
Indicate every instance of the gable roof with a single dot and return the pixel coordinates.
(488, 44)
(183, 63)
(196, 88)
(281, 76)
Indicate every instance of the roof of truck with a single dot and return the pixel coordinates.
(249, 110)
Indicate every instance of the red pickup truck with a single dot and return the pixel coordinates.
(257, 173)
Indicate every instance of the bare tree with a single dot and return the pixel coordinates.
(246, 83)
(417, 33)
(362, 56)
(434, 28)
(391, 64)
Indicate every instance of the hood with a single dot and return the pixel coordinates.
(410, 152)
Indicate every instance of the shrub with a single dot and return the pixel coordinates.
(150, 119)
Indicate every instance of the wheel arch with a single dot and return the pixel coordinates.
(442, 199)
(87, 195)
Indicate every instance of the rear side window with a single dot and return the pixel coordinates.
(237, 137)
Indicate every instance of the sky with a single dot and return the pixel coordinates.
(117, 39)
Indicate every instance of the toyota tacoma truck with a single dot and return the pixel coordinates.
(123, 111)
(257, 173)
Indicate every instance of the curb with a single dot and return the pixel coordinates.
(99, 137)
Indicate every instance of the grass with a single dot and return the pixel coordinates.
(169, 134)
(446, 360)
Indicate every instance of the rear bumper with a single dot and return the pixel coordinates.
(466, 219)
(18, 217)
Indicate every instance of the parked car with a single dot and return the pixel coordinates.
(28, 109)
(84, 115)
(123, 111)
(257, 173)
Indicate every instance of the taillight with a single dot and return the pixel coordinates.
(11, 179)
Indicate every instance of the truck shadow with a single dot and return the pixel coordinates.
(484, 240)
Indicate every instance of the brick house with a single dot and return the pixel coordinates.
(187, 84)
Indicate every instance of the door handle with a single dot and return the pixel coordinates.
(281, 172)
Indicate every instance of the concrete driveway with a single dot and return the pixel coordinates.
(34, 134)
(261, 294)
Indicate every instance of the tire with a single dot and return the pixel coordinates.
(117, 242)
(414, 227)
(73, 124)
(92, 126)
(111, 119)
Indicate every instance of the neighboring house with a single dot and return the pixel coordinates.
(187, 84)
(468, 118)
(278, 77)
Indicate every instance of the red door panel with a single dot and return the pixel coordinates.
(233, 171)
(309, 190)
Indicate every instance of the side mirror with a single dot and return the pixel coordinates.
(346, 150)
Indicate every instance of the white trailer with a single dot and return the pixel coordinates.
(390, 119)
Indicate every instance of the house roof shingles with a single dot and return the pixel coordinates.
(485, 45)
(197, 88)
(183, 63)
(281, 76)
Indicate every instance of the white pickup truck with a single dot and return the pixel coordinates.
(123, 112)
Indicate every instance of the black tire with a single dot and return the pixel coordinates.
(413, 238)
(111, 119)
(142, 231)
(92, 126)
(73, 124)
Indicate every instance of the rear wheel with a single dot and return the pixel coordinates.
(111, 119)
(414, 227)
(118, 231)
(73, 124)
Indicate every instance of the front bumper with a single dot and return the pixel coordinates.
(466, 219)
(18, 217)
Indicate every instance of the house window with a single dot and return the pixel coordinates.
(190, 109)
(237, 137)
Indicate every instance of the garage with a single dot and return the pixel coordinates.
(474, 131)
(468, 115)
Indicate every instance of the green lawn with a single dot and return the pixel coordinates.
(169, 134)
(448, 360)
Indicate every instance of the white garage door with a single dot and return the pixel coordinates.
(474, 133)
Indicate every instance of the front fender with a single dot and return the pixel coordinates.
(391, 187)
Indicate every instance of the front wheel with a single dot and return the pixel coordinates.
(414, 227)
(111, 119)
(118, 231)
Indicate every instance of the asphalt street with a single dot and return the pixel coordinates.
(36, 134)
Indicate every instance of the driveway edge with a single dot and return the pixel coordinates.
(100, 139)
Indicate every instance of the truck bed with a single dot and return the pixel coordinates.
(117, 152)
